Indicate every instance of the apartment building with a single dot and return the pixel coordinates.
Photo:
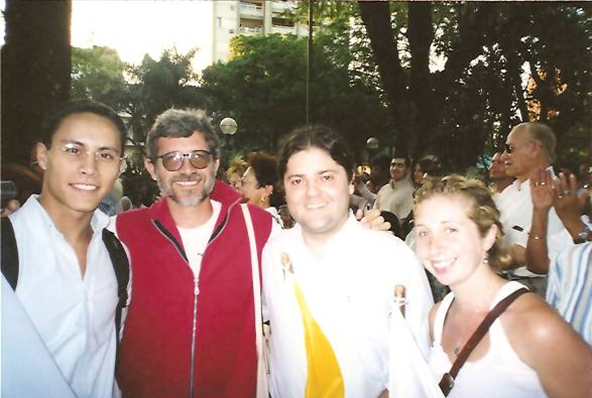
(250, 17)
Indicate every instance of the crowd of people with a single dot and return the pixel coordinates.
(267, 284)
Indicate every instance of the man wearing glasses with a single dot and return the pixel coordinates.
(65, 280)
(190, 327)
(529, 148)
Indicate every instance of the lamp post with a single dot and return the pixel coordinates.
(372, 143)
(228, 127)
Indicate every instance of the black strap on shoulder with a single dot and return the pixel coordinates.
(447, 381)
(10, 260)
(122, 272)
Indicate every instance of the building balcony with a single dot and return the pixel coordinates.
(251, 10)
(281, 6)
(284, 30)
(250, 30)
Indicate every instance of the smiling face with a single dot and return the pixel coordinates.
(449, 243)
(81, 164)
(317, 193)
(398, 169)
(187, 186)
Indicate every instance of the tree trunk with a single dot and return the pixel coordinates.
(420, 35)
(35, 72)
(376, 19)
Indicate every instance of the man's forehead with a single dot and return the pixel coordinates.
(87, 129)
(398, 161)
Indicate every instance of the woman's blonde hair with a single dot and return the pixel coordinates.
(237, 165)
(482, 211)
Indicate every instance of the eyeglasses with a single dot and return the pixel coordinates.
(105, 156)
(509, 148)
(173, 161)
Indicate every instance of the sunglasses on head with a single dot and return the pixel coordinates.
(173, 161)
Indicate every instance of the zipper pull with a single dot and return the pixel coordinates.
(196, 288)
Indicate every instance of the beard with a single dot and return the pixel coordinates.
(189, 198)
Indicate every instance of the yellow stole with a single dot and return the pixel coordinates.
(324, 378)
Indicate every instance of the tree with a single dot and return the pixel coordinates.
(155, 86)
(471, 103)
(97, 73)
(35, 72)
(263, 87)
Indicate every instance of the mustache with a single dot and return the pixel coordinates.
(188, 178)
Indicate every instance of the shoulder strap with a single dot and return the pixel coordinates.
(10, 259)
(262, 387)
(447, 381)
(122, 272)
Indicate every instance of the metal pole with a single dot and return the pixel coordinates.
(309, 64)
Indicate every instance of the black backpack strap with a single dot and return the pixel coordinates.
(10, 260)
(122, 273)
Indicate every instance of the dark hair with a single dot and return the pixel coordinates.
(382, 161)
(401, 154)
(177, 123)
(264, 166)
(53, 123)
(316, 136)
(431, 165)
(394, 221)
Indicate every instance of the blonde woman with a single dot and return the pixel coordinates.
(529, 350)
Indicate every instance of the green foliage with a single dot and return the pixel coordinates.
(157, 85)
(487, 52)
(97, 73)
(264, 89)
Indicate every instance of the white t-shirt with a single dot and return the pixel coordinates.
(196, 239)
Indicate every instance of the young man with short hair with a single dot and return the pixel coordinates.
(66, 280)
(329, 284)
(397, 195)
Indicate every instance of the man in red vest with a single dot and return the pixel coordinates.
(190, 329)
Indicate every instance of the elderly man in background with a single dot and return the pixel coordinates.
(529, 147)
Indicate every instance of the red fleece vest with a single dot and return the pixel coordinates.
(155, 352)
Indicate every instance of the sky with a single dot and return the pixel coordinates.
(138, 27)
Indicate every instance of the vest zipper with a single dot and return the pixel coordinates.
(164, 232)
(193, 334)
(172, 239)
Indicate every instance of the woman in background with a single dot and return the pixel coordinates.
(258, 184)
(235, 172)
